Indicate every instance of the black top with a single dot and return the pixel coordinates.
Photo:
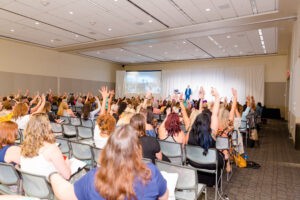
(150, 147)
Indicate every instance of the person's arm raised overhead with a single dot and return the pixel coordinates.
(26, 93)
(162, 127)
(40, 106)
(186, 119)
(35, 108)
(94, 112)
(87, 98)
(214, 117)
(111, 95)
(147, 97)
(104, 92)
(201, 97)
(233, 106)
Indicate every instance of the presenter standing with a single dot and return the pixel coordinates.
(188, 93)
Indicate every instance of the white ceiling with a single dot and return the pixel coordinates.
(134, 31)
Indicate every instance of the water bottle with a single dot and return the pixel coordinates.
(245, 156)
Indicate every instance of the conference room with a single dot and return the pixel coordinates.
(148, 99)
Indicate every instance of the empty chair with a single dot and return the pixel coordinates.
(64, 146)
(82, 152)
(36, 186)
(87, 123)
(84, 132)
(195, 154)
(75, 121)
(96, 152)
(9, 177)
(56, 128)
(173, 151)
(187, 186)
(69, 131)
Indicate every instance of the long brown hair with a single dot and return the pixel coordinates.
(121, 163)
(138, 122)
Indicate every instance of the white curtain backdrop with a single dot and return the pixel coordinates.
(120, 83)
(247, 80)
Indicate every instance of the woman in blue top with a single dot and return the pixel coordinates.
(122, 175)
(9, 153)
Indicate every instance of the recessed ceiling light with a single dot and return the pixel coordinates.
(71, 12)
(150, 21)
(184, 42)
(76, 35)
(241, 52)
(45, 2)
(36, 23)
(51, 40)
(207, 9)
(121, 49)
(109, 29)
(150, 46)
(236, 46)
(220, 47)
(116, 0)
(12, 30)
(228, 36)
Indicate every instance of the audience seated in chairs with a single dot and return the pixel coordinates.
(201, 135)
(122, 175)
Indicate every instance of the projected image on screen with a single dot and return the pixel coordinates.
(139, 82)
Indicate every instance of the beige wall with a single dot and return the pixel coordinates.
(275, 73)
(26, 59)
(275, 66)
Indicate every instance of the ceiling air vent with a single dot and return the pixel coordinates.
(224, 6)
(139, 23)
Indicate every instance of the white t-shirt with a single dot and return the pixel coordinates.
(22, 121)
(37, 165)
(100, 141)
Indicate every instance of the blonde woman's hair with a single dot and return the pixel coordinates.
(62, 106)
(20, 109)
(37, 132)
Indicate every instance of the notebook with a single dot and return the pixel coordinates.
(76, 165)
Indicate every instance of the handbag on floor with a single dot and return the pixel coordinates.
(240, 161)
(254, 135)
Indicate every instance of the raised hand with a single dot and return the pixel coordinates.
(214, 92)
(201, 93)
(148, 95)
(111, 93)
(234, 92)
(104, 92)
(168, 111)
